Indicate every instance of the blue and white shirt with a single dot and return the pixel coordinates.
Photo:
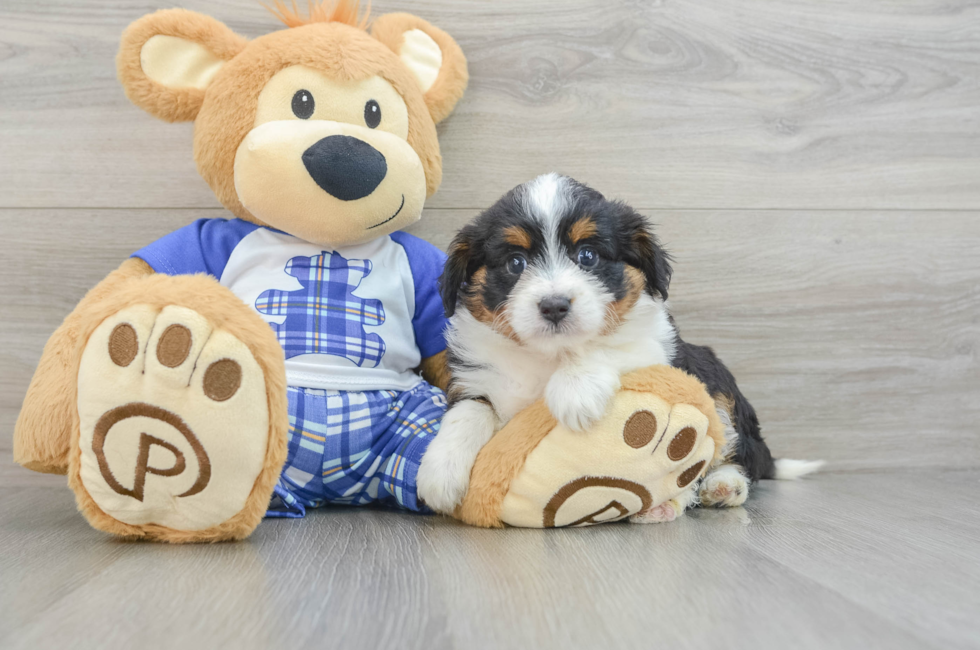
(357, 318)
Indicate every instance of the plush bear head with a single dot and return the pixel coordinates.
(322, 130)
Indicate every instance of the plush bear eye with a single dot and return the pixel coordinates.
(303, 104)
(516, 264)
(372, 114)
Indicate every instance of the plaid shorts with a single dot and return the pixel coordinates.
(355, 448)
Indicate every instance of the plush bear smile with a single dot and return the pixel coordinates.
(391, 217)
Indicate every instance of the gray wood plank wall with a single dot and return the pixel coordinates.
(814, 166)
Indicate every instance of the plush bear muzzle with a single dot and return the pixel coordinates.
(329, 182)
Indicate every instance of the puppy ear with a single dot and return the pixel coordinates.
(642, 249)
(167, 59)
(431, 54)
(457, 269)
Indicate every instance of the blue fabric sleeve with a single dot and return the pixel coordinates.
(201, 247)
(429, 322)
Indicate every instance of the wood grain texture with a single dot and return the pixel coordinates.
(677, 103)
(854, 334)
(814, 168)
(833, 561)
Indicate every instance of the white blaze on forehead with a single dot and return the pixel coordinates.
(545, 200)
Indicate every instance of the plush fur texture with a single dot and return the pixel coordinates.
(499, 462)
(171, 104)
(347, 12)
(43, 431)
(453, 77)
(344, 52)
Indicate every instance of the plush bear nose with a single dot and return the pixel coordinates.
(345, 167)
(554, 308)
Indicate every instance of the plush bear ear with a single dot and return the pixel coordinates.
(431, 54)
(167, 59)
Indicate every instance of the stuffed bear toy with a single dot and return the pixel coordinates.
(293, 356)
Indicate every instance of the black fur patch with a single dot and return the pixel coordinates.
(751, 451)
(622, 236)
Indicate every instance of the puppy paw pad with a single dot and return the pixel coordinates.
(661, 514)
(724, 487)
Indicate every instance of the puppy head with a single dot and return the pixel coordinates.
(554, 264)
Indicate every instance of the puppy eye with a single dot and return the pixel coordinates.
(588, 257)
(303, 104)
(516, 264)
(372, 114)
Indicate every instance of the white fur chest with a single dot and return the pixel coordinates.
(512, 376)
(495, 367)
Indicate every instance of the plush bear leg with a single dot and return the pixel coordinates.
(42, 435)
(179, 421)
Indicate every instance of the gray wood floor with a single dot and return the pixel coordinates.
(814, 165)
(846, 560)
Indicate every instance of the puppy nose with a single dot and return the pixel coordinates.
(345, 167)
(554, 308)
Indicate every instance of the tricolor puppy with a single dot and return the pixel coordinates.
(555, 291)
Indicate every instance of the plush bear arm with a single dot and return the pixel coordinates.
(43, 429)
(435, 370)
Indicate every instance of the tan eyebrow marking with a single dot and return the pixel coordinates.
(517, 236)
(582, 229)
(498, 320)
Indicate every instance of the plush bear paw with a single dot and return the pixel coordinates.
(641, 460)
(174, 421)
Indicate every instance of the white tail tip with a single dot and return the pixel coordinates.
(788, 469)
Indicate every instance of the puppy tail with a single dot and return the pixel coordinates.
(788, 469)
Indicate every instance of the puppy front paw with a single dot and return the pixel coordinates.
(443, 478)
(579, 399)
(662, 514)
(724, 487)
(668, 510)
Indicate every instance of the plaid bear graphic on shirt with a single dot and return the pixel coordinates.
(325, 317)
